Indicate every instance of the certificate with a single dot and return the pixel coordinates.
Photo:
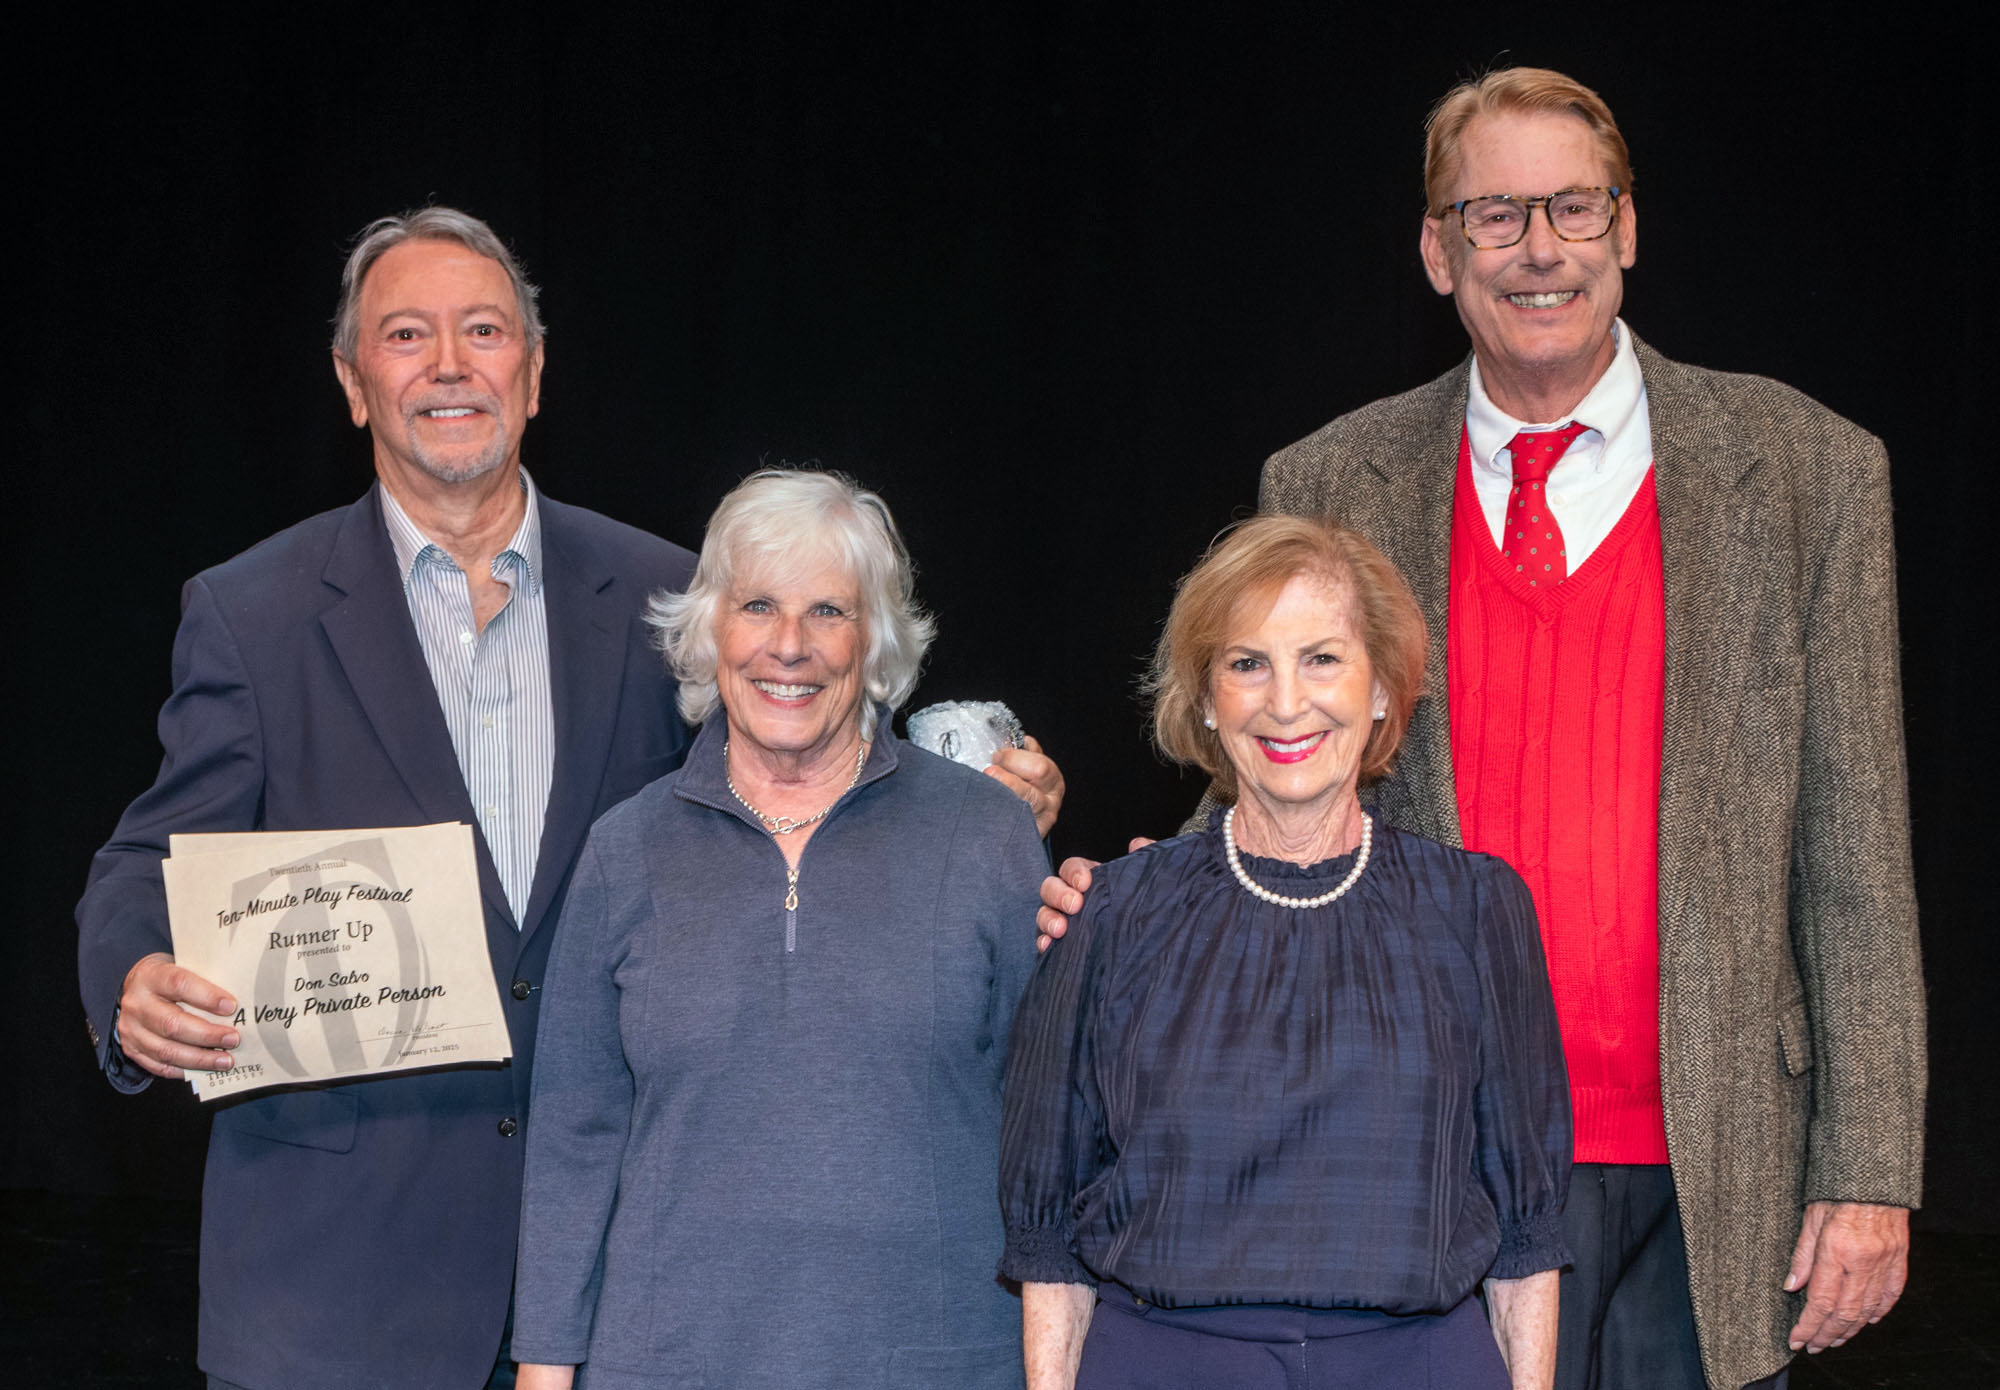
(348, 952)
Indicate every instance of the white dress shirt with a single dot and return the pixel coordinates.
(1591, 485)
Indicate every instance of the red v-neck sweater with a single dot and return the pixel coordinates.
(1557, 698)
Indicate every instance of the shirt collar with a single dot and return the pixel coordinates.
(1612, 411)
(411, 545)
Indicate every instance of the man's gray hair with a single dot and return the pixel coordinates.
(780, 523)
(426, 224)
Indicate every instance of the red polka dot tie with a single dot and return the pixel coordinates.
(1530, 537)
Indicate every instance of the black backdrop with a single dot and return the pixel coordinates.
(1053, 278)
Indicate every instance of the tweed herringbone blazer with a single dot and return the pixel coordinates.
(1791, 997)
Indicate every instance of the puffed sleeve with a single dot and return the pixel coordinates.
(579, 1114)
(1052, 1133)
(1521, 1109)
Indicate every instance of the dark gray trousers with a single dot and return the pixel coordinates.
(1627, 1317)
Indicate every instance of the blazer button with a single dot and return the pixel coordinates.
(522, 989)
(508, 1129)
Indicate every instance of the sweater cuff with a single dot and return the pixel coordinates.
(547, 1353)
(1042, 1255)
(1529, 1246)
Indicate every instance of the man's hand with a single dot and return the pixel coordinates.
(161, 1036)
(1852, 1260)
(1062, 898)
(1062, 894)
(1033, 776)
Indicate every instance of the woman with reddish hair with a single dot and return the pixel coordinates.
(1290, 1089)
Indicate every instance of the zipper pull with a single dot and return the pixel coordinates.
(791, 910)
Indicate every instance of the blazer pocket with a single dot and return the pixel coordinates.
(1795, 1038)
(980, 1366)
(305, 1119)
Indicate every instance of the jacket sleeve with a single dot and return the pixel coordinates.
(1853, 914)
(1296, 480)
(211, 779)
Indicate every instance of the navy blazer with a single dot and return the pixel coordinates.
(363, 1234)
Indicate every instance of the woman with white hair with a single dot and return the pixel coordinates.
(764, 1138)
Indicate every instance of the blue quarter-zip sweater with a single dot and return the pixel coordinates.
(763, 1144)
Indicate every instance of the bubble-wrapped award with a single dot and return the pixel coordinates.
(966, 731)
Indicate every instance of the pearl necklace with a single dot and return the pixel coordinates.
(1258, 890)
(785, 825)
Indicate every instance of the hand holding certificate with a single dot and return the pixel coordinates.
(349, 952)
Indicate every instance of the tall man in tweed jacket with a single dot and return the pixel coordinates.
(1790, 1013)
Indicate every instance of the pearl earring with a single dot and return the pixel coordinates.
(1210, 721)
(1381, 714)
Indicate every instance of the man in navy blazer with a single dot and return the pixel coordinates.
(363, 1234)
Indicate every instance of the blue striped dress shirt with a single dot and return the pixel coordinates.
(492, 685)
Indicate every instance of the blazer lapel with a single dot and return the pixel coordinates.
(589, 624)
(371, 635)
(1410, 508)
(1714, 567)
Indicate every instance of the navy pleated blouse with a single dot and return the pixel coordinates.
(1214, 1100)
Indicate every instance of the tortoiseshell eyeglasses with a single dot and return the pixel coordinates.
(1499, 220)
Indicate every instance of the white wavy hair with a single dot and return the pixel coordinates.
(780, 523)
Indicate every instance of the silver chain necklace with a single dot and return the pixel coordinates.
(785, 825)
(1258, 890)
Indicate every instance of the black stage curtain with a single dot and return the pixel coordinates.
(1054, 278)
